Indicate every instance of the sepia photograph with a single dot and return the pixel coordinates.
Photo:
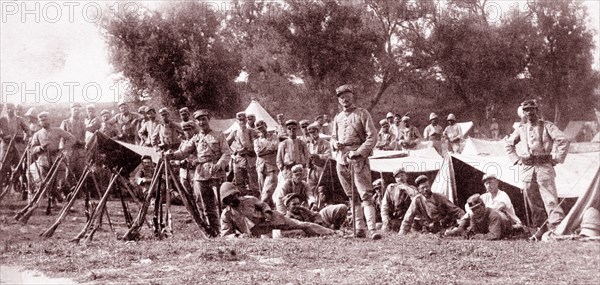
(300, 142)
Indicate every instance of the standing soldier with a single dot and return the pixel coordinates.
(408, 136)
(291, 151)
(139, 122)
(187, 164)
(320, 152)
(31, 119)
(186, 116)
(265, 147)
(386, 140)
(453, 134)
(124, 121)
(13, 125)
(106, 128)
(251, 121)
(304, 129)
(213, 155)
(537, 166)
(495, 129)
(353, 136)
(319, 121)
(45, 143)
(281, 130)
(433, 133)
(92, 122)
(166, 135)
(241, 141)
(76, 127)
(389, 117)
(148, 127)
(326, 126)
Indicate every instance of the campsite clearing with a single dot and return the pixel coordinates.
(186, 259)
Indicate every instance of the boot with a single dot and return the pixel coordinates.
(370, 214)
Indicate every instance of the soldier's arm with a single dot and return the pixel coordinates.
(416, 133)
(334, 138)
(143, 132)
(228, 228)
(67, 138)
(185, 149)
(371, 135)
(453, 210)
(155, 138)
(35, 144)
(510, 146)
(561, 141)
(326, 150)
(93, 125)
(409, 217)
(310, 194)
(225, 152)
(24, 128)
(280, 155)
(231, 137)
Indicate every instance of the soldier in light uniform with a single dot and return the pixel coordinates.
(537, 166)
(453, 134)
(433, 133)
(353, 137)
(106, 128)
(386, 140)
(188, 164)
(167, 135)
(251, 118)
(139, 122)
(408, 135)
(320, 152)
(389, 117)
(241, 141)
(291, 151)
(76, 127)
(45, 144)
(31, 119)
(213, 156)
(280, 129)
(92, 122)
(186, 116)
(265, 147)
(148, 128)
(124, 121)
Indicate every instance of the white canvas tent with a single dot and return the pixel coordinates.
(257, 110)
(465, 127)
(417, 161)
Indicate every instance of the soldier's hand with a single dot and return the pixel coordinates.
(352, 154)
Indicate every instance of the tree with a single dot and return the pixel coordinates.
(179, 54)
(561, 59)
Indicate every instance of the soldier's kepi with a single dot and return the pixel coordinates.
(353, 137)
(537, 166)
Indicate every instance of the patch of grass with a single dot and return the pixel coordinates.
(187, 259)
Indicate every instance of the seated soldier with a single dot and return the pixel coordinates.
(433, 210)
(497, 199)
(247, 216)
(295, 185)
(483, 223)
(396, 201)
(143, 177)
(331, 216)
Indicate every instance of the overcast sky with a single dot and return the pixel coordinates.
(53, 51)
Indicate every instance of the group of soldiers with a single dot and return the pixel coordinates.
(276, 175)
(397, 133)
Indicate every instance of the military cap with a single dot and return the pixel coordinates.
(488, 176)
(228, 189)
(405, 118)
(318, 117)
(304, 123)
(184, 110)
(43, 115)
(104, 111)
(90, 106)
(142, 109)
(398, 171)
(474, 201)
(163, 111)
(421, 179)
(313, 126)
(279, 115)
(250, 115)
(289, 197)
(148, 110)
(291, 122)
(146, 157)
(383, 122)
(433, 116)
(298, 168)
(260, 122)
(343, 89)
(240, 114)
(389, 115)
(201, 113)
(75, 105)
(188, 126)
(451, 117)
(529, 104)
(122, 102)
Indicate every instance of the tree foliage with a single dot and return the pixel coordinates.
(179, 55)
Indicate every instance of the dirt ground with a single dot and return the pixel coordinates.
(188, 259)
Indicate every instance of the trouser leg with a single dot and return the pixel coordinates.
(252, 177)
(547, 189)
(268, 188)
(535, 203)
(204, 190)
